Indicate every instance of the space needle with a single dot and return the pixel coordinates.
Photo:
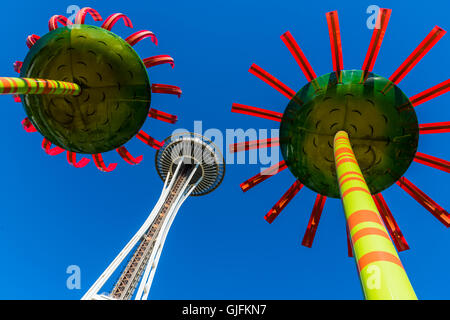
(190, 165)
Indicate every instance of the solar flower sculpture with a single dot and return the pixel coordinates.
(86, 90)
(351, 134)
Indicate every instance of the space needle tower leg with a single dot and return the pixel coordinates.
(381, 272)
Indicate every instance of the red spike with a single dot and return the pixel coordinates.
(255, 144)
(431, 93)
(144, 137)
(31, 40)
(425, 201)
(72, 159)
(112, 19)
(390, 223)
(432, 162)
(377, 39)
(335, 41)
(437, 127)
(159, 115)
(283, 202)
(81, 15)
(18, 66)
(17, 98)
(298, 55)
(260, 177)
(140, 35)
(272, 81)
(349, 243)
(98, 160)
(53, 22)
(157, 60)
(166, 88)
(313, 223)
(431, 39)
(256, 112)
(128, 157)
(28, 126)
(47, 146)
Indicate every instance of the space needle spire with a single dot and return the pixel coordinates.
(190, 165)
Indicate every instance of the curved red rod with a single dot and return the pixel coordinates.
(31, 40)
(28, 126)
(81, 15)
(53, 22)
(47, 146)
(72, 159)
(166, 88)
(100, 164)
(123, 152)
(139, 36)
(18, 66)
(112, 19)
(157, 60)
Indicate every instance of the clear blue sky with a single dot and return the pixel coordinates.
(219, 247)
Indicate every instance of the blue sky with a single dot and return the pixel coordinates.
(219, 247)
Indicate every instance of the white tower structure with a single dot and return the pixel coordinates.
(190, 165)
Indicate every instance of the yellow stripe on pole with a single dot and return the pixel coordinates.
(381, 272)
(19, 86)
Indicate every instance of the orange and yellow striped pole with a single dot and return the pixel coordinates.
(380, 270)
(10, 85)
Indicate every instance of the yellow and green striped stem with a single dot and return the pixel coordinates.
(380, 269)
(17, 86)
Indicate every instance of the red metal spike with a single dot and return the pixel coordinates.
(157, 60)
(81, 15)
(377, 39)
(283, 202)
(433, 162)
(72, 159)
(18, 66)
(272, 81)
(335, 41)
(53, 22)
(437, 127)
(31, 40)
(128, 157)
(166, 88)
(425, 201)
(47, 146)
(390, 223)
(298, 55)
(260, 177)
(431, 93)
(112, 19)
(255, 144)
(28, 126)
(313, 223)
(349, 243)
(140, 35)
(256, 112)
(144, 137)
(431, 39)
(98, 160)
(159, 115)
